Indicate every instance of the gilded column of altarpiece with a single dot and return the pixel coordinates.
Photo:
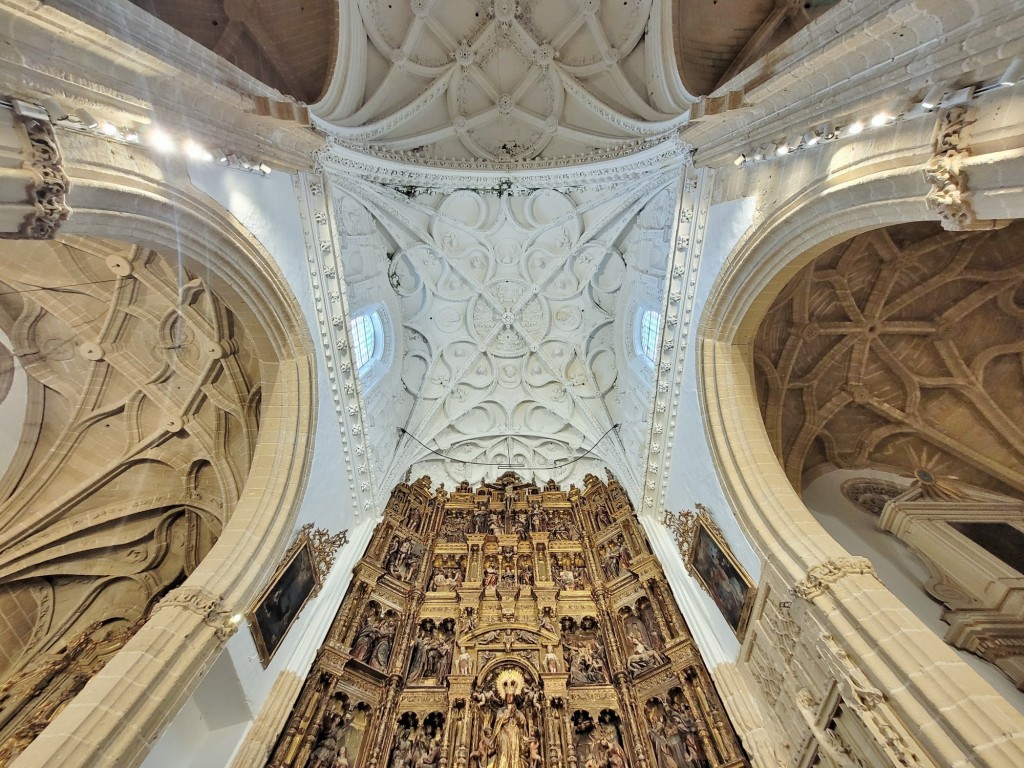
(508, 626)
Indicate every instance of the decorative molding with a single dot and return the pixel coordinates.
(395, 170)
(204, 604)
(330, 299)
(821, 576)
(677, 317)
(950, 195)
(49, 185)
(325, 546)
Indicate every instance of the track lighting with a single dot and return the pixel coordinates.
(54, 108)
(1013, 72)
(934, 96)
(85, 118)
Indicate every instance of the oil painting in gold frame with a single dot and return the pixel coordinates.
(712, 564)
(296, 580)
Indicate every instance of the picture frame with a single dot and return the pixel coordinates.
(712, 564)
(296, 580)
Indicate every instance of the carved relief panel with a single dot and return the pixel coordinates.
(508, 626)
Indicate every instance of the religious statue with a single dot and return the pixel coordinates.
(464, 663)
(509, 727)
(529, 648)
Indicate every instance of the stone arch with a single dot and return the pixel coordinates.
(836, 592)
(120, 710)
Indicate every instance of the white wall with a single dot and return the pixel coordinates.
(213, 722)
(692, 476)
(895, 563)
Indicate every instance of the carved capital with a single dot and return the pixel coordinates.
(47, 185)
(822, 575)
(204, 604)
(950, 194)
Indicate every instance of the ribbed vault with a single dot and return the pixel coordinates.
(898, 349)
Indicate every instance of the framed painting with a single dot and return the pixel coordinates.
(296, 580)
(712, 564)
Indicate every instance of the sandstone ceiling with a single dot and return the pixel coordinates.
(902, 348)
(716, 39)
(287, 45)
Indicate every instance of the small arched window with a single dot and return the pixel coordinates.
(365, 333)
(650, 326)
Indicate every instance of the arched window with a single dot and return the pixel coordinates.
(650, 325)
(365, 333)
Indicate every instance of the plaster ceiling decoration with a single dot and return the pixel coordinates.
(902, 348)
(508, 320)
(289, 46)
(502, 81)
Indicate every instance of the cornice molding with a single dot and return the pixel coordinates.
(677, 317)
(330, 300)
(393, 169)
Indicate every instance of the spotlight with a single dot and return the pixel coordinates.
(195, 151)
(882, 118)
(854, 128)
(160, 141)
(108, 129)
(740, 160)
(782, 149)
(264, 169)
(933, 97)
(220, 156)
(811, 138)
(829, 132)
(131, 136)
(958, 97)
(85, 118)
(1013, 72)
(54, 108)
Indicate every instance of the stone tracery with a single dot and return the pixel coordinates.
(872, 354)
(144, 381)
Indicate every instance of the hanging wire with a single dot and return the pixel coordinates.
(506, 463)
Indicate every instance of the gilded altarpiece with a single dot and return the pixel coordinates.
(508, 626)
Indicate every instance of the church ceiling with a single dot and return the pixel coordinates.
(287, 45)
(710, 51)
(901, 349)
(509, 312)
(503, 81)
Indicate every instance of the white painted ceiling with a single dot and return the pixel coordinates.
(510, 295)
(512, 317)
(502, 81)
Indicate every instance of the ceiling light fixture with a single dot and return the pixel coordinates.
(160, 141)
(1013, 72)
(86, 118)
(933, 98)
(54, 108)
